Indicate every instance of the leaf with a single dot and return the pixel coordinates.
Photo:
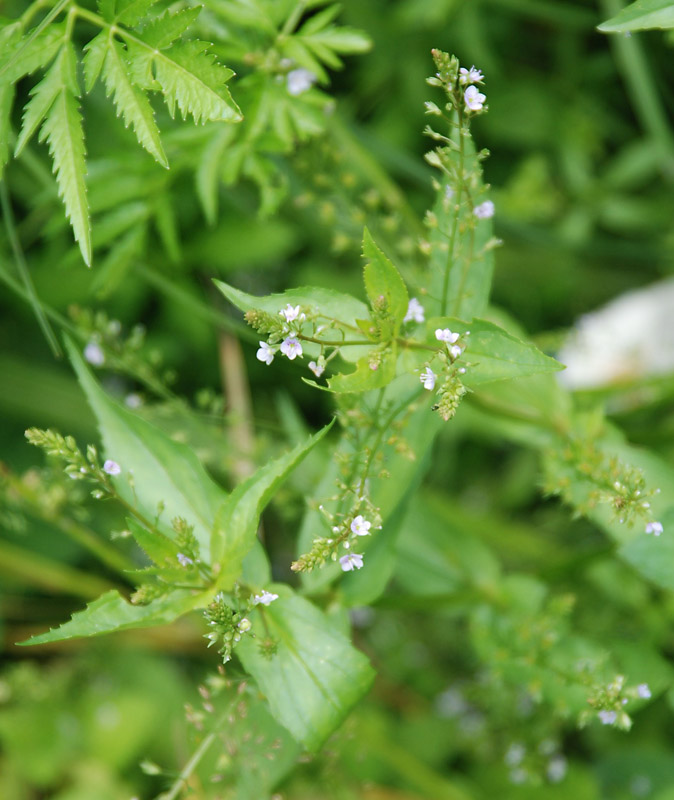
(316, 676)
(118, 260)
(194, 81)
(164, 30)
(19, 57)
(6, 100)
(62, 130)
(131, 103)
(42, 97)
(493, 354)
(641, 15)
(653, 556)
(208, 173)
(383, 282)
(162, 471)
(365, 377)
(95, 52)
(111, 612)
(131, 12)
(158, 547)
(238, 519)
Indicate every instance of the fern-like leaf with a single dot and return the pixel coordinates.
(194, 81)
(42, 96)
(63, 132)
(131, 102)
(6, 100)
(95, 52)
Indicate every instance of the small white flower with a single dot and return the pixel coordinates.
(244, 625)
(265, 353)
(184, 560)
(265, 598)
(428, 378)
(556, 769)
(515, 754)
(350, 562)
(445, 335)
(360, 526)
(455, 351)
(474, 99)
(654, 527)
(415, 311)
(484, 210)
(94, 354)
(643, 691)
(317, 369)
(290, 313)
(111, 467)
(299, 81)
(471, 75)
(291, 348)
(607, 717)
(133, 400)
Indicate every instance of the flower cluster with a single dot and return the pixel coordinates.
(228, 626)
(451, 389)
(608, 702)
(324, 549)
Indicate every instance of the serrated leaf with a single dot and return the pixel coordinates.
(95, 52)
(156, 546)
(111, 612)
(6, 100)
(164, 30)
(642, 15)
(341, 40)
(63, 132)
(131, 103)
(167, 226)
(365, 378)
(22, 56)
(106, 8)
(163, 471)
(194, 82)
(42, 96)
(208, 173)
(383, 282)
(238, 519)
(316, 676)
(131, 12)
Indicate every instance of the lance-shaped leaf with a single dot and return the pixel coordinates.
(315, 677)
(493, 354)
(373, 371)
(385, 288)
(641, 15)
(155, 469)
(111, 612)
(237, 521)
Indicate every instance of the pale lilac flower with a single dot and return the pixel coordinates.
(299, 81)
(556, 769)
(515, 754)
(415, 311)
(643, 691)
(607, 717)
(474, 99)
(133, 400)
(111, 467)
(455, 351)
(265, 598)
(265, 353)
(184, 560)
(654, 527)
(484, 210)
(428, 378)
(471, 75)
(350, 562)
(317, 369)
(360, 526)
(291, 348)
(94, 354)
(290, 313)
(445, 335)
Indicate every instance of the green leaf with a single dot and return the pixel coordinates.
(155, 469)
(238, 519)
(383, 282)
(131, 103)
(164, 30)
(6, 100)
(130, 12)
(653, 556)
(156, 545)
(316, 676)
(208, 173)
(95, 52)
(62, 130)
(111, 612)
(194, 81)
(365, 377)
(641, 15)
(42, 97)
(493, 354)
(118, 260)
(19, 57)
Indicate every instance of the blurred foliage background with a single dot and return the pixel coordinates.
(582, 165)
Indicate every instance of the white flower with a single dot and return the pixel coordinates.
(428, 378)
(654, 527)
(643, 691)
(299, 81)
(290, 313)
(184, 560)
(265, 598)
(471, 75)
(244, 625)
(350, 562)
(556, 769)
(360, 526)
(455, 351)
(291, 348)
(133, 400)
(111, 467)
(484, 210)
(317, 369)
(265, 353)
(415, 311)
(94, 354)
(474, 99)
(445, 335)
(515, 754)
(607, 717)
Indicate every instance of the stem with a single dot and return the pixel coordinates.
(455, 221)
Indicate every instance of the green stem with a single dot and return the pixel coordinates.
(455, 221)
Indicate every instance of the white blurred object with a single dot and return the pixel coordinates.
(629, 338)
